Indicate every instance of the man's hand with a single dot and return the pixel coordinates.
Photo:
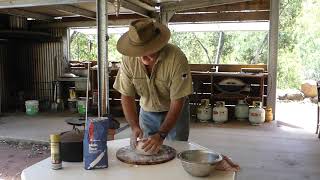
(136, 133)
(153, 143)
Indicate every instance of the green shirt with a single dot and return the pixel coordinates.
(169, 80)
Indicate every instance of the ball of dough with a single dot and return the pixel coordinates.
(141, 151)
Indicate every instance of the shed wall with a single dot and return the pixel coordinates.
(28, 68)
(4, 76)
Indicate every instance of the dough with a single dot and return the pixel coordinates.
(141, 151)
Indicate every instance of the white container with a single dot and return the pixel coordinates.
(242, 110)
(204, 111)
(220, 112)
(257, 113)
(32, 107)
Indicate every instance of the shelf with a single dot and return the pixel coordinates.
(235, 97)
(238, 75)
(73, 79)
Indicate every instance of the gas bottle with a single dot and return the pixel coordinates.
(257, 113)
(204, 111)
(242, 110)
(269, 114)
(220, 112)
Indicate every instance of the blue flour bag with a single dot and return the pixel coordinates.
(95, 151)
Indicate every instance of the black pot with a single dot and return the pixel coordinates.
(71, 149)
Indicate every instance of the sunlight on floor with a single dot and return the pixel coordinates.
(297, 115)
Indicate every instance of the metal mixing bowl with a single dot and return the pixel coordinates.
(199, 163)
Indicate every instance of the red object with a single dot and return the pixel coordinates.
(91, 132)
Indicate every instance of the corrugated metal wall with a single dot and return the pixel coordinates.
(4, 76)
(28, 68)
(39, 64)
(36, 64)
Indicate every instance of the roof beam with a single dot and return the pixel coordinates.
(221, 17)
(149, 2)
(26, 14)
(256, 5)
(121, 20)
(136, 8)
(31, 3)
(195, 4)
(76, 10)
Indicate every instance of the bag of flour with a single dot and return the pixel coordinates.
(95, 149)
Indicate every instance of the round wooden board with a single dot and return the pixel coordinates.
(128, 155)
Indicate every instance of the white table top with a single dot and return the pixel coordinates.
(118, 170)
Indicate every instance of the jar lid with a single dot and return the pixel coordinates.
(54, 138)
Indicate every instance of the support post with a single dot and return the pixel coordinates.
(273, 54)
(102, 22)
(165, 16)
(66, 45)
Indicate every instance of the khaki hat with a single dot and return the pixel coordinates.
(143, 38)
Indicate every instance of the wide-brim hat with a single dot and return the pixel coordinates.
(144, 37)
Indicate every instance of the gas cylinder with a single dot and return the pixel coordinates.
(204, 111)
(269, 114)
(220, 112)
(257, 113)
(242, 110)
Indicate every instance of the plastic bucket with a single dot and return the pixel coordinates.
(81, 104)
(32, 107)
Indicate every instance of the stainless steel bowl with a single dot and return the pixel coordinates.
(199, 163)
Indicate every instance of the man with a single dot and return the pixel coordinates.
(159, 73)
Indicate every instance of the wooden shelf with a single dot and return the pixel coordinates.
(255, 81)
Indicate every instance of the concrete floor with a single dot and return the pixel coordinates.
(38, 128)
(273, 151)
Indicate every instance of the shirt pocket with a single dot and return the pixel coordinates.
(162, 88)
(141, 86)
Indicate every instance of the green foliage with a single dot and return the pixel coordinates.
(113, 54)
(289, 65)
(83, 47)
(190, 43)
(289, 70)
(290, 10)
(242, 47)
(239, 47)
(299, 44)
(308, 35)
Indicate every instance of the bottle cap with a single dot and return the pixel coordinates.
(54, 138)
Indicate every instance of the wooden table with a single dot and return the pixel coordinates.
(121, 171)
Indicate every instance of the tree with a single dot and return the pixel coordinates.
(289, 74)
(308, 39)
(83, 47)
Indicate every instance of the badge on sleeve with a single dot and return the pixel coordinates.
(184, 76)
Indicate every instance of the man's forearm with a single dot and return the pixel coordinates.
(129, 109)
(172, 115)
